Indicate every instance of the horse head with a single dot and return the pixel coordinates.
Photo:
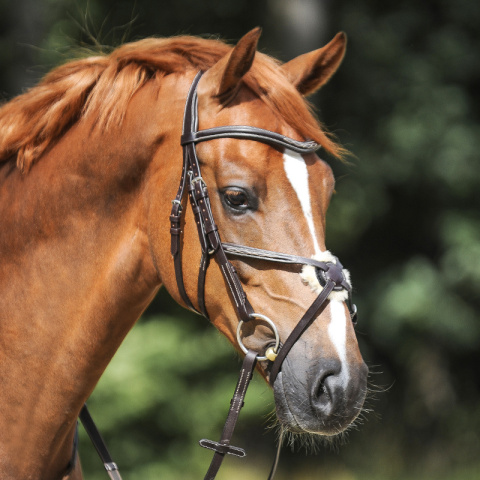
(268, 196)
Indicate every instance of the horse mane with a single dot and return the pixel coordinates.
(103, 86)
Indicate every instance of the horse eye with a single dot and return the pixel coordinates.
(236, 199)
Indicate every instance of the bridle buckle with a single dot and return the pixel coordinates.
(334, 272)
(194, 180)
(179, 203)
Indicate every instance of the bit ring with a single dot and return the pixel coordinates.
(272, 326)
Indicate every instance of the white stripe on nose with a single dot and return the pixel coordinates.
(297, 174)
(337, 331)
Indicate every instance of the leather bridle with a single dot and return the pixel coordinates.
(330, 273)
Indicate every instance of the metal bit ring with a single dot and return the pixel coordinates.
(275, 331)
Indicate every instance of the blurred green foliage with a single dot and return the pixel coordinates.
(405, 221)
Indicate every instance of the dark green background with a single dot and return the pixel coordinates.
(405, 221)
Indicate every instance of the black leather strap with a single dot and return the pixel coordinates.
(309, 316)
(277, 257)
(244, 132)
(99, 444)
(276, 460)
(270, 256)
(177, 207)
(223, 447)
(202, 278)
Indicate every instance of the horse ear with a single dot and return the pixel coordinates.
(312, 70)
(230, 69)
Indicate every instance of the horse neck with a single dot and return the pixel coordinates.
(75, 274)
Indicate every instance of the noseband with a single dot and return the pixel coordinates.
(331, 273)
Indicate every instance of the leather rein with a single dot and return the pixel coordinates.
(329, 274)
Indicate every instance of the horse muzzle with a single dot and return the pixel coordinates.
(322, 397)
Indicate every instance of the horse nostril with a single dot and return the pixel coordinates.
(322, 396)
(324, 387)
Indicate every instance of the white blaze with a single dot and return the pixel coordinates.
(337, 331)
(297, 174)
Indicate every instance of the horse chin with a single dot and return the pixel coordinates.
(300, 411)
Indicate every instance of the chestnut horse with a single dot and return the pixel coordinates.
(90, 160)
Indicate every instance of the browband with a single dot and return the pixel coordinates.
(250, 133)
(190, 135)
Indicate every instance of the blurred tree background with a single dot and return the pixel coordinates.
(405, 221)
